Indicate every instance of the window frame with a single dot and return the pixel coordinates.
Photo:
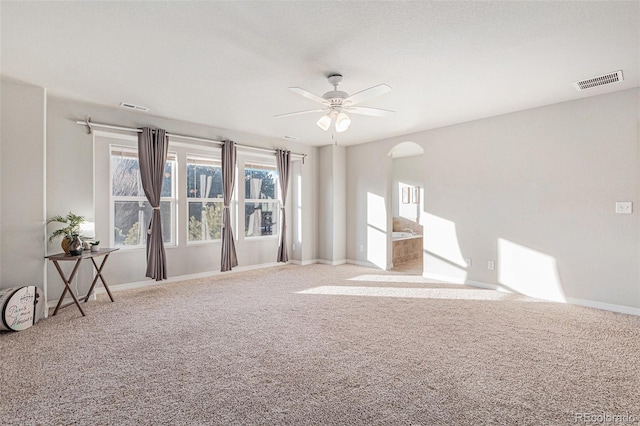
(172, 157)
(269, 162)
(215, 158)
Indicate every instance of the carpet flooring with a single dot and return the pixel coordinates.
(319, 344)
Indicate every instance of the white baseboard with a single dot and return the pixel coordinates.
(304, 262)
(149, 283)
(480, 284)
(366, 264)
(630, 310)
(331, 262)
(334, 262)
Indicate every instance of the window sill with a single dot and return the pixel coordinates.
(134, 248)
(262, 238)
(203, 243)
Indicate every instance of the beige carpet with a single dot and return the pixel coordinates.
(321, 345)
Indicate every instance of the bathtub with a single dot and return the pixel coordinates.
(395, 236)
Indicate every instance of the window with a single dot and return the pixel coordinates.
(130, 210)
(205, 199)
(261, 199)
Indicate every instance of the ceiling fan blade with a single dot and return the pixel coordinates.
(376, 112)
(367, 94)
(308, 95)
(302, 112)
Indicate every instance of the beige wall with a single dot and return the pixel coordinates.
(533, 191)
(22, 209)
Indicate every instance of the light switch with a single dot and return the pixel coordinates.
(624, 207)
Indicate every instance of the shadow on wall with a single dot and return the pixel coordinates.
(520, 269)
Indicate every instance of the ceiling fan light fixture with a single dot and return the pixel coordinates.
(336, 102)
(342, 122)
(324, 122)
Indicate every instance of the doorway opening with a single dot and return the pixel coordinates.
(407, 207)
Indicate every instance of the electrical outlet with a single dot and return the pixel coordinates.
(467, 261)
(294, 247)
(491, 265)
(624, 207)
(361, 248)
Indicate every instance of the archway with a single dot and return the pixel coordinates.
(407, 207)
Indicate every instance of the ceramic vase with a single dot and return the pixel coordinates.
(75, 247)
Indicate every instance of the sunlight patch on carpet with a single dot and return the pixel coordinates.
(420, 293)
(393, 279)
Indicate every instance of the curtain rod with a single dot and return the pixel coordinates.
(90, 125)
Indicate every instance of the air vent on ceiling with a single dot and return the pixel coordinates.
(132, 106)
(601, 80)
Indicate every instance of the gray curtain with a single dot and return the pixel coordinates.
(152, 154)
(229, 258)
(283, 161)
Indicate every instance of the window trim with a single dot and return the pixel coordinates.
(269, 163)
(217, 159)
(173, 201)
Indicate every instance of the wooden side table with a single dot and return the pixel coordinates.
(63, 257)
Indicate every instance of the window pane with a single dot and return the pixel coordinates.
(131, 221)
(125, 172)
(167, 181)
(205, 221)
(260, 182)
(125, 175)
(260, 219)
(203, 180)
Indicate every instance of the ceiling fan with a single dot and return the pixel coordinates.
(336, 104)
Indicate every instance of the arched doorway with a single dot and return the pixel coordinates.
(407, 207)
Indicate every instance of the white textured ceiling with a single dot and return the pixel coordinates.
(229, 64)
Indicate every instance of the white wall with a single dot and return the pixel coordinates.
(369, 204)
(325, 202)
(339, 203)
(22, 179)
(533, 191)
(332, 204)
(70, 186)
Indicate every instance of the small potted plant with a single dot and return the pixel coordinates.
(71, 230)
(95, 245)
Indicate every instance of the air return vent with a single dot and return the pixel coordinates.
(134, 107)
(601, 80)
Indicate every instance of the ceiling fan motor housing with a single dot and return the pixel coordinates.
(335, 97)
